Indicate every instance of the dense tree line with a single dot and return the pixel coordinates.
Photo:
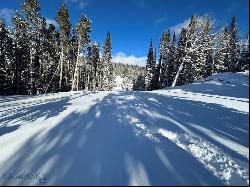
(201, 51)
(37, 58)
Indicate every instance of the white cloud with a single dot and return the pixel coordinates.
(177, 28)
(131, 60)
(6, 14)
(49, 21)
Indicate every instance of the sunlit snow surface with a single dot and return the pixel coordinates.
(189, 135)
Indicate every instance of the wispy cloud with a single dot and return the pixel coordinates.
(79, 3)
(131, 59)
(177, 28)
(6, 14)
(160, 20)
(49, 21)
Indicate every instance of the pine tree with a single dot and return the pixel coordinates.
(191, 58)
(31, 10)
(83, 29)
(93, 63)
(6, 59)
(139, 83)
(150, 68)
(181, 53)
(164, 60)
(204, 62)
(194, 52)
(155, 78)
(96, 63)
(51, 59)
(107, 79)
(173, 66)
(63, 20)
(234, 50)
(21, 55)
(222, 53)
(44, 60)
(244, 57)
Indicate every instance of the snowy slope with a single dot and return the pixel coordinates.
(190, 135)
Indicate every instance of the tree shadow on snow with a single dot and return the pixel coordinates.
(12, 120)
(101, 147)
(213, 122)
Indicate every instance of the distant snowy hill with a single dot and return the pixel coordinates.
(197, 134)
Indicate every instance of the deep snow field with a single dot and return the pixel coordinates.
(195, 134)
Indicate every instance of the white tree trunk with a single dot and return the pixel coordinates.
(177, 74)
(213, 66)
(181, 66)
(32, 72)
(75, 82)
(160, 75)
(52, 78)
(61, 69)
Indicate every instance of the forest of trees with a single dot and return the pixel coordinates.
(200, 51)
(37, 58)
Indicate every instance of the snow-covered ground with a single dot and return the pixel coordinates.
(190, 135)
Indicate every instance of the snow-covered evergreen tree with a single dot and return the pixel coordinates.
(51, 59)
(244, 57)
(181, 52)
(194, 51)
(93, 62)
(150, 68)
(234, 49)
(192, 47)
(222, 53)
(139, 83)
(21, 55)
(204, 63)
(32, 14)
(83, 29)
(107, 79)
(44, 60)
(6, 59)
(63, 20)
(173, 66)
(164, 60)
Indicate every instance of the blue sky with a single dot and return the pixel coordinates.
(133, 22)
